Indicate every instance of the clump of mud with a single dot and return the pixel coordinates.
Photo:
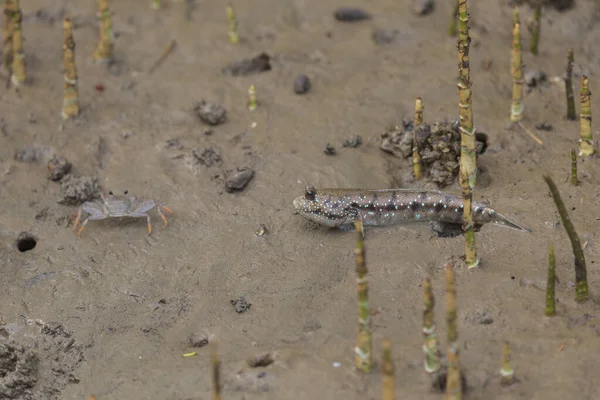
(39, 364)
(437, 144)
(18, 371)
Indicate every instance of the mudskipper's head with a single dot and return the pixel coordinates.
(322, 208)
(307, 205)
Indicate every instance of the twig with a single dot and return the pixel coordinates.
(167, 51)
(533, 136)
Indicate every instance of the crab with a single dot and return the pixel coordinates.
(115, 206)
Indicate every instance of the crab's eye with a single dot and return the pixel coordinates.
(309, 193)
(125, 192)
(111, 193)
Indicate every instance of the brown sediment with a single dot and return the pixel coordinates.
(417, 166)
(388, 378)
(468, 159)
(363, 350)
(581, 285)
(71, 95)
(453, 380)
(104, 51)
(19, 70)
(586, 143)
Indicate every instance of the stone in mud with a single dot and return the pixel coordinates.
(261, 360)
(241, 304)
(301, 84)
(385, 36)
(78, 190)
(423, 7)
(207, 156)
(197, 339)
(58, 167)
(329, 149)
(212, 114)
(248, 66)
(238, 179)
(353, 141)
(349, 14)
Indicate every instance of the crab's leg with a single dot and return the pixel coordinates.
(76, 218)
(85, 221)
(149, 225)
(163, 215)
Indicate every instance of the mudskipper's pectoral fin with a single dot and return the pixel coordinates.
(354, 215)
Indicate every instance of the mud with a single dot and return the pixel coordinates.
(127, 305)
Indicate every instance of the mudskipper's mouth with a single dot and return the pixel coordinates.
(297, 203)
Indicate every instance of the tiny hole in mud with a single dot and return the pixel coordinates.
(26, 242)
(261, 360)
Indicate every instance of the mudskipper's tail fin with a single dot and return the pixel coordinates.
(499, 219)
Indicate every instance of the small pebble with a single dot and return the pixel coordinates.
(241, 304)
(238, 180)
(207, 156)
(535, 78)
(262, 229)
(353, 141)
(197, 340)
(384, 36)
(212, 114)
(348, 14)
(423, 7)
(260, 63)
(302, 84)
(57, 168)
(329, 149)
(544, 126)
(261, 360)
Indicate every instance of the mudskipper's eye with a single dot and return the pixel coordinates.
(125, 192)
(111, 193)
(309, 193)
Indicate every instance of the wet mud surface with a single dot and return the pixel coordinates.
(113, 313)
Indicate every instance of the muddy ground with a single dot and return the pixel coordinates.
(113, 313)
